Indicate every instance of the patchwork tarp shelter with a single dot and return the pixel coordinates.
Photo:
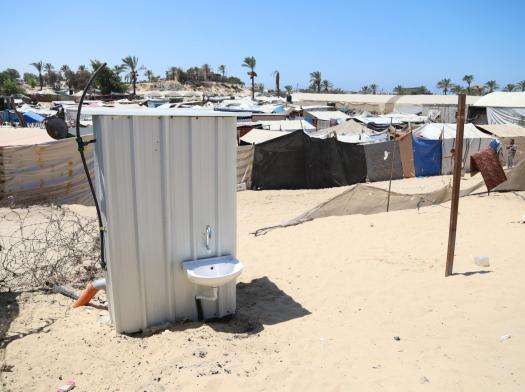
(503, 107)
(432, 105)
(383, 161)
(297, 161)
(473, 141)
(324, 119)
(36, 168)
(505, 133)
(351, 131)
(350, 127)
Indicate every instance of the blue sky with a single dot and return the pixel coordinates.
(352, 43)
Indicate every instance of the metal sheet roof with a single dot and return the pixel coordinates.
(125, 111)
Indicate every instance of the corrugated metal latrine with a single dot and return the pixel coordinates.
(162, 178)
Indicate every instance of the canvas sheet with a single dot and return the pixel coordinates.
(406, 155)
(496, 115)
(383, 161)
(296, 161)
(244, 165)
(515, 179)
(47, 172)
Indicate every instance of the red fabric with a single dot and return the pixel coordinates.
(486, 161)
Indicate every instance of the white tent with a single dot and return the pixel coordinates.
(504, 107)
(435, 131)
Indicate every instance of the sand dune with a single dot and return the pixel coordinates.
(319, 305)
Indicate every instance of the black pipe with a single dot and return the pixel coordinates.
(200, 315)
(81, 145)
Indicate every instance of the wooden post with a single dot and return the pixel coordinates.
(458, 154)
(392, 155)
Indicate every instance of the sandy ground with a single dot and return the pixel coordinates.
(319, 307)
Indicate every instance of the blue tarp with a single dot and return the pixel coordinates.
(31, 117)
(427, 157)
(9, 116)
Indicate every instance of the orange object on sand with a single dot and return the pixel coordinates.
(86, 296)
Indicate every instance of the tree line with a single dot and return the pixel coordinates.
(115, 79)
(110, 80)
(446, 85)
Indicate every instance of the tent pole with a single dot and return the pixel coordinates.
(458, 152)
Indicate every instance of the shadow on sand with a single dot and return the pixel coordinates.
(469, 273)
(259, 303)
(9, 311)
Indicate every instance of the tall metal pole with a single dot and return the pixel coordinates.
(458, 153)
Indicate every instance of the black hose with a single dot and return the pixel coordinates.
(81, 145)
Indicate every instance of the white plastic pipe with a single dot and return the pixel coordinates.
(213, 297)
(100, 283)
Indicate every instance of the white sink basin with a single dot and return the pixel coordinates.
(213, 272)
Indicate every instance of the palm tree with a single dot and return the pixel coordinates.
(510, 87)
(39, 66)
(444, 84)
(131, 63)
(521, 85)
(48, 67)
(250, 62)
(149, 74)
(206, 70)
(316, 80)
(491, 86)
(456, 89)
(277, 82)
(288, 89)
(172, 73)
(468, 79)
(68, 75)
(373, 88)
(222, 70)
(326, 85)
(398, 89)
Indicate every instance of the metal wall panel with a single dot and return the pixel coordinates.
(161, 181)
